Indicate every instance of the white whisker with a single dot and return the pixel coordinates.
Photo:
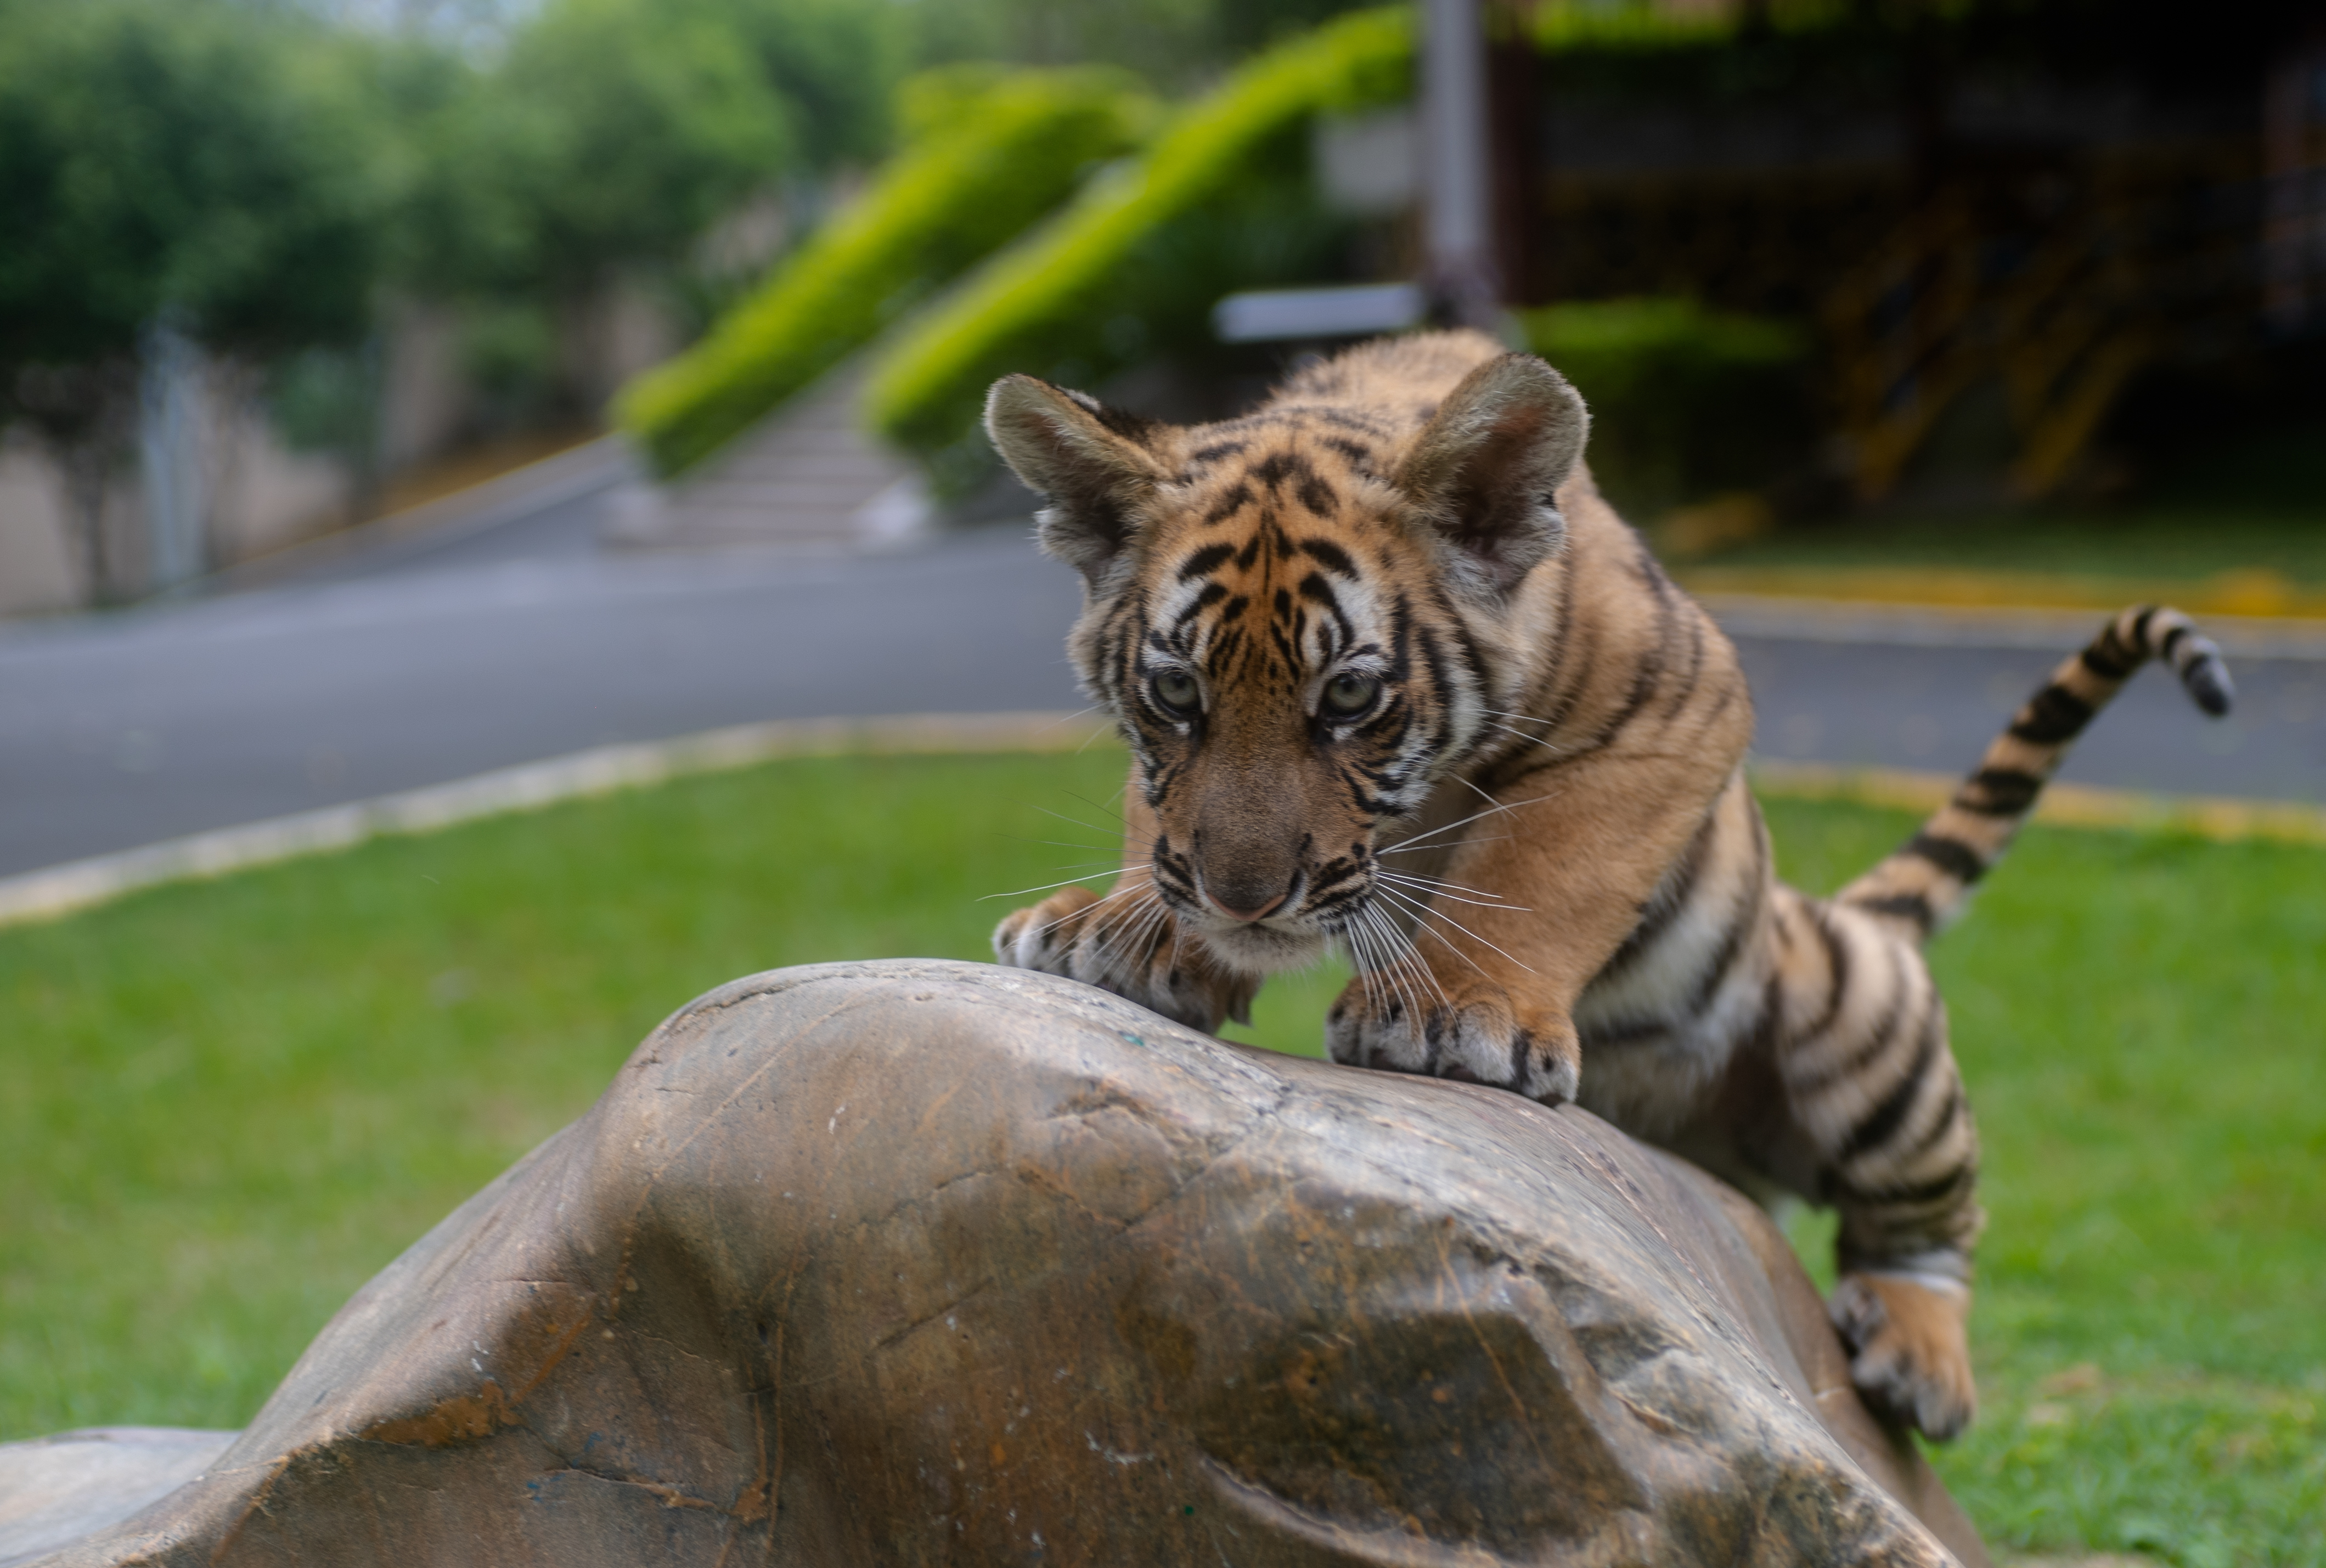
(1111, 939)
(1440, 882)
(1421, 908)
(1076, 822)
(1402, 959)
(1474, 816)
(1413, 962)
(1438, 891)
(1531, 739)
(1110, 810)
(1412, 958)
(1361, 959)
(1067, 882)
(1443, 848)
(1086, 909)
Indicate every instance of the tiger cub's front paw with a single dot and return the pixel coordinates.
(1132, 947)
(1409, 1021)
(1910, 1356)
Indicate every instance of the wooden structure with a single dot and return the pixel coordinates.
(2045, 200)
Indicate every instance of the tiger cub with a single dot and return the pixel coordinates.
(1394, 676)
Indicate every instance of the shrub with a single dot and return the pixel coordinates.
(987, 155)
(1118, 273)
(1684, 402)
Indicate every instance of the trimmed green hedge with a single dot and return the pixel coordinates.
(1684, 402)
(1058, 297)
(987, 155)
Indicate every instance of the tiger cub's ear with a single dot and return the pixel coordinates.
(1482, 469)
(1088, 460)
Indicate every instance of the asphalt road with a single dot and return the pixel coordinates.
(416, 664)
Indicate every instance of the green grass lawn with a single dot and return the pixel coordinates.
(230, 1103)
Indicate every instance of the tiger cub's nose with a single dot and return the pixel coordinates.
(1262, 912)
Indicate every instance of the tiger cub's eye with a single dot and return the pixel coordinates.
(1175, 690)
(1348, 693)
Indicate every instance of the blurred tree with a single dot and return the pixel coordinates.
(610, 136)
(837, 62)
(167, 161)
(1175, 44)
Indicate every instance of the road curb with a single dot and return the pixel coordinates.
(59, 890)
(597, 464)
(1836, 620)
(2220, 818)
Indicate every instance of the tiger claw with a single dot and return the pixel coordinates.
(1474, 1039)
(1134, 950)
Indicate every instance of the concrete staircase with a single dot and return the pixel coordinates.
(806, 478)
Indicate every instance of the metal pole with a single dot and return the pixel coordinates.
(1457, 185)
(169, 440)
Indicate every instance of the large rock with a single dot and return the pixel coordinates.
(920, 1262)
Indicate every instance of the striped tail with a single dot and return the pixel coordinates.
(1925, 882)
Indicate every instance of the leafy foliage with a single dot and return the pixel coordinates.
(1684, 401)
(1177, 44)
(1114, 276)
(611, 134)
(188, 160)
(989, 155)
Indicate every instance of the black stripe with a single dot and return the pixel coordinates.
(1685, 687)
(2173, 640)
(1912, 1195)
(2208, 682)
(1649, 675)
(1883, 1122)
(1612, 1034)
(2101, 660)
(1951, 855)
(2052, 716)
(1567, 692)
(1941, 1125)
(1731, 941)
(1276, 468)
(1237, 499)
(1330, 556)
(1910, 907)
(1441, 689)
(1204, 560)
(2002, 791)
(1879, 1038)
(1707, 985)
(1663, 905)
(1317, 591)
(1837, 960)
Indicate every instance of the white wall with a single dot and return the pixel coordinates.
(261, 497)
(38, 570)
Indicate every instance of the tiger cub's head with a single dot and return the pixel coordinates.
(1302, 618)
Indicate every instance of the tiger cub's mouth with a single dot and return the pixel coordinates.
(1283, 940)
(1262, 946)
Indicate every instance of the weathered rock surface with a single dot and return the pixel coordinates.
(923, 1262)
(53, 1490)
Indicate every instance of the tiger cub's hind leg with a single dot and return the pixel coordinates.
(1872, 1091)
